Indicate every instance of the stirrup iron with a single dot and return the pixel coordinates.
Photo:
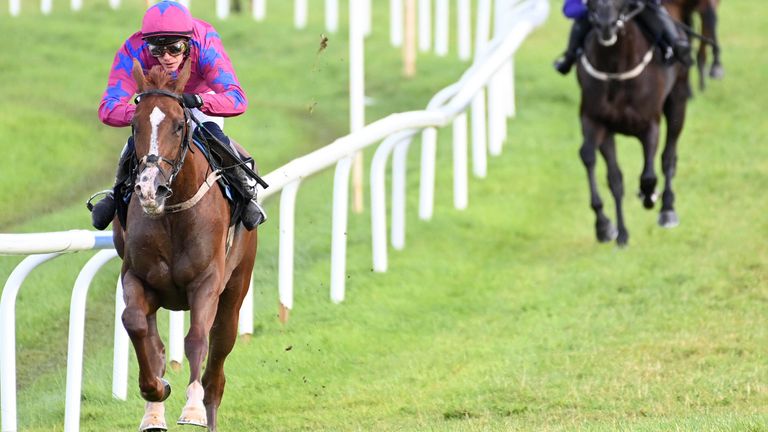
(88, 203)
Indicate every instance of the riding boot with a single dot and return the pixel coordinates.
(104, 211)
(681, 48)
(579, 30)
(662, 26)
(253, 215)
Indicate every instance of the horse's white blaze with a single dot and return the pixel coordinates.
(155, 118)
(146, 182)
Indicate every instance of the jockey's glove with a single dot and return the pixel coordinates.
(192, 100)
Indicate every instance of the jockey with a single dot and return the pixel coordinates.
(169, 37)
(654, 19)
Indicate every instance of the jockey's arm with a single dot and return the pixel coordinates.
(228, 99)
(116, 108)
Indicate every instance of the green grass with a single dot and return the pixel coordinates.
(507, 316)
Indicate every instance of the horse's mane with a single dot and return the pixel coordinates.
(159, 79)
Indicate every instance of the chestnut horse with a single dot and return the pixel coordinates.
(707, 11)
(625, 87)
(176, 254)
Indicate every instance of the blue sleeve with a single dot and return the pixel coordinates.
(574, 9)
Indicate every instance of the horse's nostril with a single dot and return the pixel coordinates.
(163, 191)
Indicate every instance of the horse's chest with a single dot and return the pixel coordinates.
(165, 265)
(622, 112)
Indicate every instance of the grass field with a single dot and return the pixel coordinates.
(506, 316)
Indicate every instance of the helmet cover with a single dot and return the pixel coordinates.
(167, 18)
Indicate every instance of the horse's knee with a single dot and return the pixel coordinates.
(588, 155)
(135, 322)
(196, 341)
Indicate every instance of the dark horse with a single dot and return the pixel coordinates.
(176, 254)
(707, 11)
(625, 87)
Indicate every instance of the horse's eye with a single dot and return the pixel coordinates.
(179, 128)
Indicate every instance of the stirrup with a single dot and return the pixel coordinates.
(88, 204)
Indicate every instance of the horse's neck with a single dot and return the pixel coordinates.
(192, 174)
(628, 51)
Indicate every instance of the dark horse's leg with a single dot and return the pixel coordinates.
(203, 295)
(223, 336)
(616, 183)
(648, 179)
(709, 30)
(593, 134)
(674, 111)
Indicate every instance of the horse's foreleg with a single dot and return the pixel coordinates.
(203, 301)
(222, 340)
(648, 179)
(154, 412)
(139, 322)
(616, 183)
(674, 111)
(604, 230)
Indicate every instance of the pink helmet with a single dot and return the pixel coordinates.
(167, 18)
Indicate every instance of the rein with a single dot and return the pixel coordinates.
(176, 165)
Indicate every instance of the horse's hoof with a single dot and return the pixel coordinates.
(160, 427)
(606, 232)
(621, 240)
(717, 72)
(152, 397)
(193, 414)
(668, 219)
(166, 389)
(154, 418)
(648, 200)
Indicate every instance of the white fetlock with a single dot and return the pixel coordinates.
(154, 417)
(193, 412)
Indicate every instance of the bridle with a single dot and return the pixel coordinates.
(152, 160)
(620, 23)
(625, 15)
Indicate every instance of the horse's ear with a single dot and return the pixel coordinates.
(138, 76)
(183, 77)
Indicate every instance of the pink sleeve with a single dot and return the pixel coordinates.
(116, 108)
(217, 70)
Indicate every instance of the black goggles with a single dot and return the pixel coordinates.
(174, 49)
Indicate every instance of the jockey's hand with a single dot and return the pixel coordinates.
(192, 100)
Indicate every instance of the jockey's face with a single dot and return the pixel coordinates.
(170, 62)
(170, 55)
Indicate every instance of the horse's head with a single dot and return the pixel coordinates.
(608, 17)
(160, 135)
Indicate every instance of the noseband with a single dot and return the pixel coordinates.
(151, 160)
(625, 15)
